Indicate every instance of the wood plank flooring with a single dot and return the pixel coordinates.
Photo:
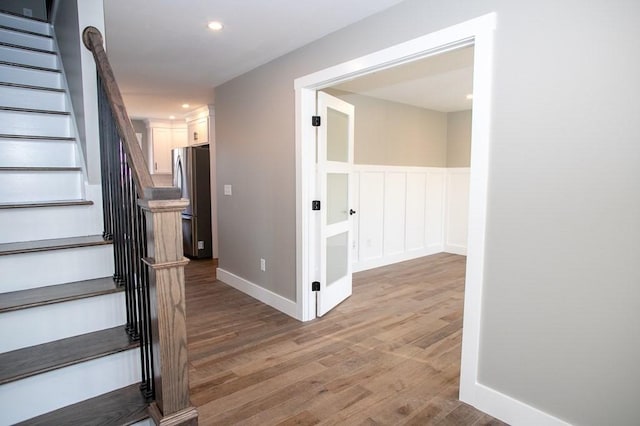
(388, 355)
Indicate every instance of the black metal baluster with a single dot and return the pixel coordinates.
(126, 247)
(125, 224)
(107, 204)
(145, 320)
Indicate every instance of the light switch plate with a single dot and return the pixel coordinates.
(227, 190)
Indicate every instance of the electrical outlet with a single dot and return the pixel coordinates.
(200, 245)
(228, 190)
(27, 12)
(263, 265)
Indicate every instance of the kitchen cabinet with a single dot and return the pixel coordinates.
(198, 131)
(163, 137)
(200, 126)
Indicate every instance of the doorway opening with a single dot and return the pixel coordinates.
(477, 32)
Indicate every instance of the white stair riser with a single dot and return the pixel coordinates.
(26, 123)
(28, 57)
(31, 270)
(145, 422)
(18, 97)
(43, 223)
(37, 153)
(40, 186)
(46, 392)
(42, 324)
(10, 74)
(23, 39)
(25, 24)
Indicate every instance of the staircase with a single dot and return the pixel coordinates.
(65, 357)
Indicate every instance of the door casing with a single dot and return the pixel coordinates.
(478, 32)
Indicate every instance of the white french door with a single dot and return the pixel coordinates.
(334, 165)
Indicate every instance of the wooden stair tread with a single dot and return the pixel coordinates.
(30, 87)
(31, 49)
(52, 244)
(27, 362)
(33, 111)
(31, 67)
(39, 296)
(37, 137)
(20, 30)
(35, 204)
(39, 169)
(123, 406)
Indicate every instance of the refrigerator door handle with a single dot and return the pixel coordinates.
(178, 175)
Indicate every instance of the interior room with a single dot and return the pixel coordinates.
(411, 160)
(414, 278)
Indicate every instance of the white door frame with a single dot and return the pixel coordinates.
(479, 33)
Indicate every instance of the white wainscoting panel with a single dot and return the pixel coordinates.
(434, 220)
(415, 224)
(457, 210)
(395, 212)
(408, 212)
(370, 216)
(355, 222)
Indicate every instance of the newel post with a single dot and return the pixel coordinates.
(168, 314)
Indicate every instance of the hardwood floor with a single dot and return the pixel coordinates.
(388, 355)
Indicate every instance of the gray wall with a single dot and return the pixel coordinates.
(141, 127)
(396, 134)
(459, 139)
(561, 303)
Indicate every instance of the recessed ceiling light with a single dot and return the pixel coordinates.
(185, 105)
(172, 117)
(215, 25)
(470, 96)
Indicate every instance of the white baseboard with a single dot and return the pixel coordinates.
(510, 410)
(268, 297)
(455, 249)
(394, 258)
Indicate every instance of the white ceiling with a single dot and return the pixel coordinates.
(163, 55)
(439, 83)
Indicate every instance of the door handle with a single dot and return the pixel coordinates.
(352, 212)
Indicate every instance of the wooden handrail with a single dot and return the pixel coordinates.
(164, 260)
(92, 39)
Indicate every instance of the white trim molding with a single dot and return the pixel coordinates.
(268, 297)
(511, 410)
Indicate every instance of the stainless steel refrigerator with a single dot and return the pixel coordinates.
(190, 169)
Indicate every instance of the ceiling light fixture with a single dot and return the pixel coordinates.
(215, 25)
(185, 105)
(470, 96)
(172, 117)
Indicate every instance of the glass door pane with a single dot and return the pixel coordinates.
(337, 257)
(337, 136)
(337, 197)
